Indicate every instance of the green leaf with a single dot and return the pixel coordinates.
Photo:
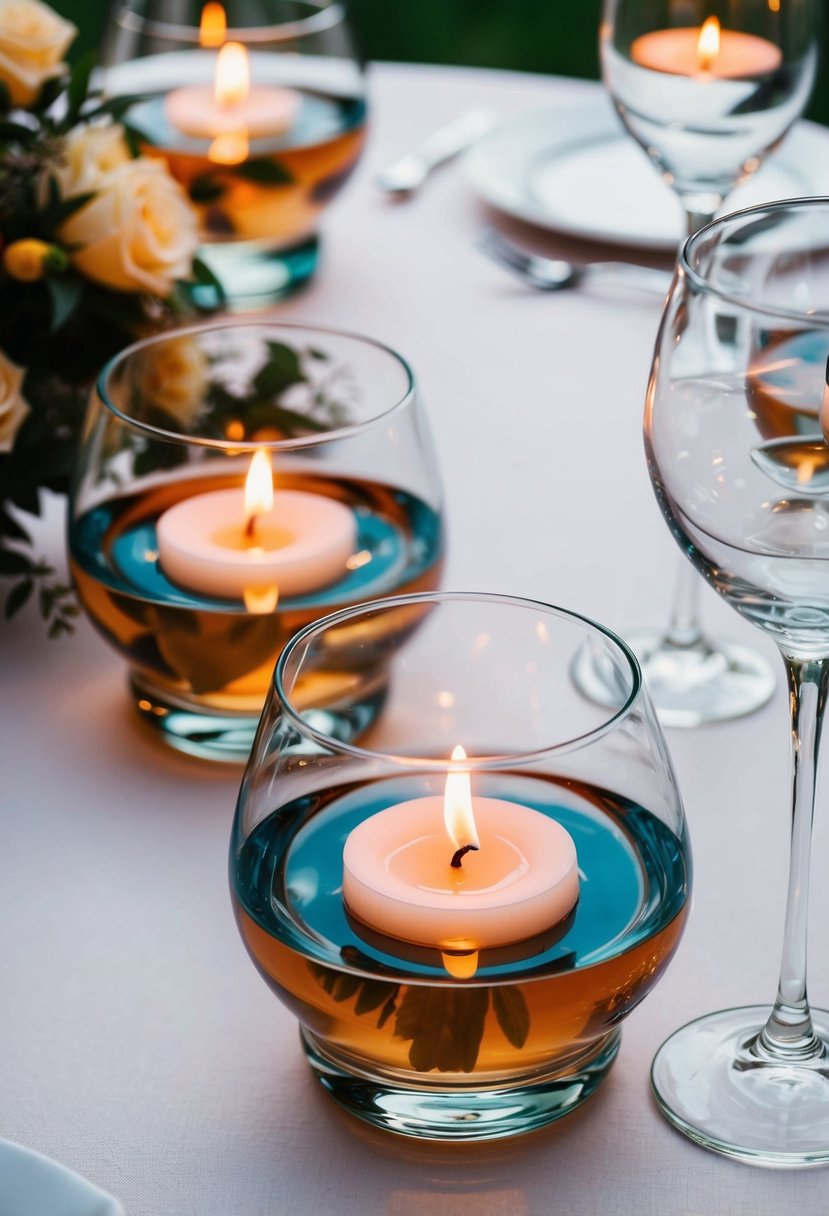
(60, 210)
(78, 89)
(204, 276)
(17, 597)
(115, 107)
(512, 1014)
(12, 563)
(66, 293)
(133, 140)
(266, 172)
(445, 1027)
(15, 132)
(282, 370)
(50, 92)
(205, 189)
(318, 354)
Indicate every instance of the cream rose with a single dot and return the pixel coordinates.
(33, 40)
(174, 376)
(13, 405)
(139, 232)
(89, 157)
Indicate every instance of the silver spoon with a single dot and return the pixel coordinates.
(553, 274)
(409, 173)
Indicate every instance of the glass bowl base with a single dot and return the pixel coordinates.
(212, 734)
(463, 1112)
(193, 729)
(253, 278)
(712, 1087)
(692, 685)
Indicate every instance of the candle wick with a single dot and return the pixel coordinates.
(458, 857)
(250, 527)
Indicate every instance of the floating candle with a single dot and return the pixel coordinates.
(231, 543)
(459, 873)
(707, 51)
(231, 104)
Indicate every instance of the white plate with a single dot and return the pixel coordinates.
(573, 169)
(32, 1185)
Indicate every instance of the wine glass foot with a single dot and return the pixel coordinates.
(712, 1086)
(689, 685)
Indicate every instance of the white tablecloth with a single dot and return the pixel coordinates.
(137, 1043)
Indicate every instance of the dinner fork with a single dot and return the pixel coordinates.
(554, 274)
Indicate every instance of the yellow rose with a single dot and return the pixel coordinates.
(89, 157)
(139, 232)
(13, 405)
(173, 376)
(33, 39)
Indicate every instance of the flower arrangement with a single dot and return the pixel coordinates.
(96, 245)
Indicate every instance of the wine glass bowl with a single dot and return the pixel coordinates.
(464, 1030)
(260, 146)
(708, 89)
(169, 563)
(736, 416)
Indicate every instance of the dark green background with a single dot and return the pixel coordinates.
(555, 36)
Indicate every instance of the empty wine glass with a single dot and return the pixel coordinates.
(708, 89)
(736, 414)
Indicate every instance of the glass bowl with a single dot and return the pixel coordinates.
(473, 1001)
(170, 433)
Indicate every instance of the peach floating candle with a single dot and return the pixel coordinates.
(232, 544)
(231, 104)
(459, 873)
(708, 51)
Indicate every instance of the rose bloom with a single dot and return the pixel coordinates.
(13, 405)
(139, 232)
(89, 157)
(33, 40)
(173, 375)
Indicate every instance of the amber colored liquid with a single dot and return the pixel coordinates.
(218, 653)
(554, 1005)
(785, 383)
(233, 203)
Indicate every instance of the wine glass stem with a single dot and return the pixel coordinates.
(788, 1035)
(684, 629)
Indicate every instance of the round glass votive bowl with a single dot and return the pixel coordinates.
(172, 428)
(261, 146)
(461, 1031)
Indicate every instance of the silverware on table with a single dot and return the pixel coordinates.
(408, 174)
(554, 274)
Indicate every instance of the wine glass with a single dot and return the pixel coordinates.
(708, 88)
(198, 583)
(477, 1000)
(736, 416)
(259, 109)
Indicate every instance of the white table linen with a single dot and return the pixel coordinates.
(138, 1046)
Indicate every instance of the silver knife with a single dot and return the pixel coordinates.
(408, 174)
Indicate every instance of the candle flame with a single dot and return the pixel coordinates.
(457, 806)
(213, 25)
(708, 44)
(232, 75)
(258, 489)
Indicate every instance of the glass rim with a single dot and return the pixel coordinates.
(471, 764)
(702, 284)
(324, 17)
(317, 439)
